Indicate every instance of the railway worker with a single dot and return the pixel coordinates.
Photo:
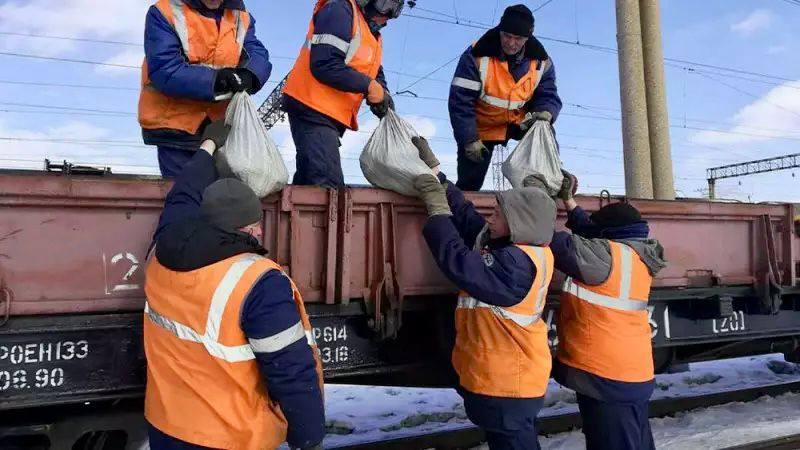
(604, 347)
(231, 362)
(503, 83)
(338, 67)
(503, 267)
(195, 51)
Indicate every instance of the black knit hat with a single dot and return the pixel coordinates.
(517, 20)
(230, 204)
(616, 215)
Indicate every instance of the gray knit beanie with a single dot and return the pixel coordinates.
(230, 204)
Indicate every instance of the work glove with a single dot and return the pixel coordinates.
(476, 151)
(425, 152)
(433, 193)
(380, 109)
(535, 180)
(249, 81)
(568, 187)
(216, 131)
(227, 80)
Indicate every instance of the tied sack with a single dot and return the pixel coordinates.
(537, 152)
(249, 154)
(390, 160)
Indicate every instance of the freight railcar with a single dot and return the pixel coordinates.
(72, 259)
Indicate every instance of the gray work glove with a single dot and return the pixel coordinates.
(532, 117)
(568, 187)
(535, 180)
(476, 151)
(425, 152)
(433, 193)
(216, 131)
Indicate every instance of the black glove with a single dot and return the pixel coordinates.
(249, 81)
(425, 152)
(227, 80)
(216, 131)
(380, 109)
(515, 131)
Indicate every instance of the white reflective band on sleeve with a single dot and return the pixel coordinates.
(329, 39)
(355, 43)
(522, 320)
(237, 353)
(279, 341)
(622, 304)
(467, 84)
(180, 24)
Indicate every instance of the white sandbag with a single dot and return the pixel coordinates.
(390, 160)
(249, 153)
(536, 152)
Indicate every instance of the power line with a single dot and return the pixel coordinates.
(69, 108)
(71, 38)
(600, 48)
(66, 85)
(79, 61)
(542, 5)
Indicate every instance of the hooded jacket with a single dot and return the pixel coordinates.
(587, 258)
(462, 101)
(493, 271)
(185, 242)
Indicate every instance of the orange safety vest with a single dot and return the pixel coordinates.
(363, 53)
(203, 44)
(503, 352)
(501, 98)
(203, 383)
(604, 329)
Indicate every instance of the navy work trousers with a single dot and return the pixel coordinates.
(171, 160)
(470, 173)
(615, 425)
(162, 441)
(318, 161)
(509, 423)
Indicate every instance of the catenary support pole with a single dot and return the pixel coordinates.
(655, 89)
(635, 135)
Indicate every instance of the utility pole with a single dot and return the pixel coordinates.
(270, 111)
(635, 133)
(499, 156)
(655, 90)
(749, 168)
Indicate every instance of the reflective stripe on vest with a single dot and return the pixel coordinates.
(523, 320)
(623, 302)
(182, 29)
(348, 48)
(219, 301)
(497, 102)
(466, 83)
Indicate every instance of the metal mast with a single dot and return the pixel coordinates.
(749, 168)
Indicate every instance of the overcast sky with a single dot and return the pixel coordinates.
(755, 116)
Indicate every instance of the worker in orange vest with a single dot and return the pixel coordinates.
(503, 267)
(503, 83)
(231, 358)
(338, 67)
(196, 52)
(604, 336)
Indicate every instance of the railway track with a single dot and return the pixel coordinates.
(468, 436)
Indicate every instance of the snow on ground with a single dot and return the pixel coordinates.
(716, 427)
(360, 414)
